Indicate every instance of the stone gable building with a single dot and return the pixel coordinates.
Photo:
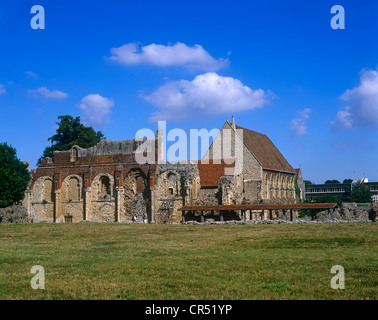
(106, 183)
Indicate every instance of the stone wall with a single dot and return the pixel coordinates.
(345, 214)
(208, 196)
(14, 214)
(177, 184)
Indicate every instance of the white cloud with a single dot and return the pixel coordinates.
(43, 92)
(208, 94)
(179, 54)
(30, 74)
(96, 109)
(299, 125)
(362, 103)
(2, 89)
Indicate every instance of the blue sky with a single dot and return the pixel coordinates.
(278, 66)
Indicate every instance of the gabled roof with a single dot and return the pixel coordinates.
(265, 151)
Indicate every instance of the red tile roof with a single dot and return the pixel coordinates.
(211, 171)
(265, 151)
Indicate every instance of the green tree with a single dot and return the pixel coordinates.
(307, 182)
(328, 199)
(71, 132)
(332, 181)
(14, 176)
(360, 194)
(348, 181)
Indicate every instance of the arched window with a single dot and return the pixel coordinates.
(104, 188)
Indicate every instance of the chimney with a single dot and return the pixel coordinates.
(233, 122)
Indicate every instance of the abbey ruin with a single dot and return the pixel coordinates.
(106, 183)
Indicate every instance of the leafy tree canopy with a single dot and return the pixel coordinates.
(71, 132)
(360, 194)
(14, 176)
(348, 181)
(307, 182)
(332, 181)
(328, 199)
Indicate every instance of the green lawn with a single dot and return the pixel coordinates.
(130, 261)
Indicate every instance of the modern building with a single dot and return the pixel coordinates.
(341, 190)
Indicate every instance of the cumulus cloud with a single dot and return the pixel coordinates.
(2, 89)
(96, 109)
(299, 125)
(179, 54)
(362, 103)
(208, 94)
(43, 92)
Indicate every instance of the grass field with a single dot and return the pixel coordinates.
(136, 261)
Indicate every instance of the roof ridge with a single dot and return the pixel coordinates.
(250, 130)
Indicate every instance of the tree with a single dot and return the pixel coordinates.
(349, 181)
(71, 132)
(360, 194)
(331, 181)
(329, 199)
(307, 182)
(14, 176)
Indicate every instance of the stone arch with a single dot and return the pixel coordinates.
(292, 189)
(103, 186)
(42, 201)
(266, 186)
(101, 199)
(72, 199)
(48, 190)
(72, 188)
(274, 178)
(280, 187)
(137, 180)
(270, 186)
(284, 187)
(136, 196)
(43, 190)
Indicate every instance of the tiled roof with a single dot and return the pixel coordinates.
(296, 171)
(211, 171)
(265, 151)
